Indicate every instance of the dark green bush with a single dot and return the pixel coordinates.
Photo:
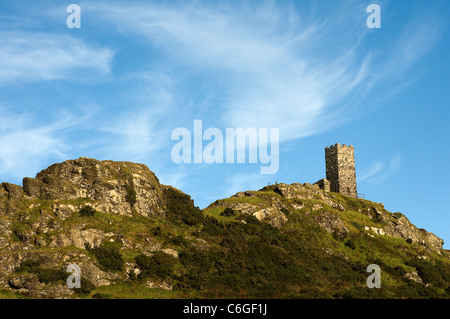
(159, 265)
(228, 212)
(180, 207)
(100, 295)
(178, 241)
(131, 196)
(144, 262)
(109, 256)
(409, 241)
(397, 215)
(87, 211)
(45, 275)
(250, 219)
(86, 286)
(157, 231)
(29, 265)
(212, 226)
(351, 244)
(397, 271)
(433, 274)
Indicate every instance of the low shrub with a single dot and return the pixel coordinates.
(180, 207)
(178, 241)
(109, 256)
(100, 295)
(397, 215)
(157, 231)
(45, 275)
(29, 265)
(212, 226)
(351, 244)
(87, 211)
(48, 275)
(160, 265)
(86, 286)
(131, 196)
(228, 212)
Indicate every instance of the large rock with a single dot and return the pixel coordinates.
(15, 192)
(25, 281)
(275, 217)
(331, 223)
(401, 227)
(32, 187)
(79, 238)
(106, 182)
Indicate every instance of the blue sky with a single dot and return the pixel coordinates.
(118, 86)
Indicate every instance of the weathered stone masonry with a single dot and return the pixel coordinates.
(340, 170)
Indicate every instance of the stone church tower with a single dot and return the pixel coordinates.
(340, 169)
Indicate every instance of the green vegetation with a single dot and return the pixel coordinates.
(160, 265)
(100, 295)
(108, 256)
(131, 196)
(87, 211)
(225, 253)
(228, 212)
(180, 207)
(86, 286)
(45, 275)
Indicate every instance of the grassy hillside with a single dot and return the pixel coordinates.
(221, 252)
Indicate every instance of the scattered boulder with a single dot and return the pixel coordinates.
(402, 228)
(414, 276)
(331, 223)
(275, 217)
(15, 192)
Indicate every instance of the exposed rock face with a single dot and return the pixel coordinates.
(106, 182)
(161, 285)
(402, 227)
(35, 216)
(332, 224)
(15, 192)
(276, 218)
(79, 238)
(414, 276)
(263, 211)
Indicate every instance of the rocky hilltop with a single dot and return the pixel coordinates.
(107, 183)
(135, 238)
(325, 210)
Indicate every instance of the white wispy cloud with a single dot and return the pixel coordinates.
(380, 171)
(417, 39)
(25, 145)
(243, 181)
(269, 65)
(35, 56)
(131, 135)
(276, 67)
(138, 126)
(265, 58)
